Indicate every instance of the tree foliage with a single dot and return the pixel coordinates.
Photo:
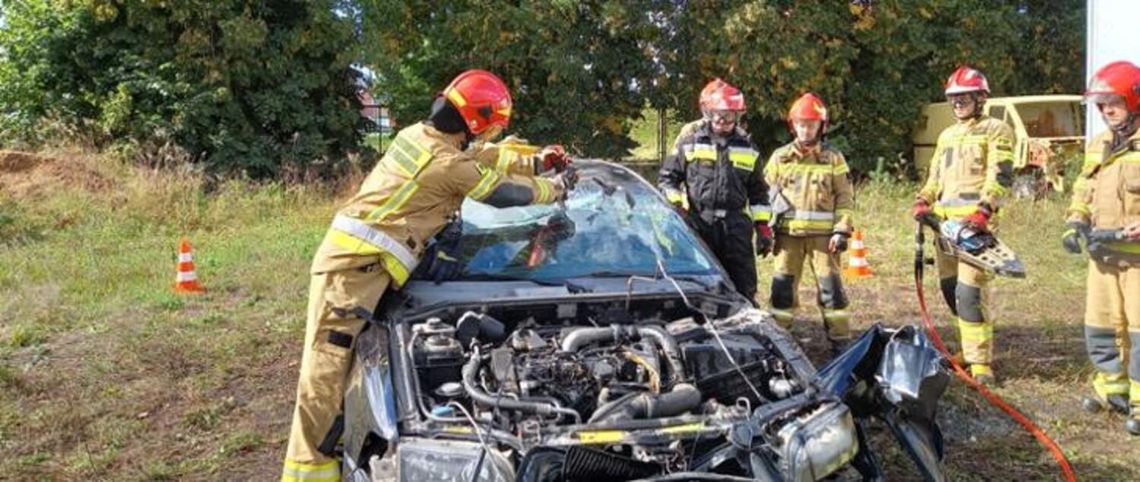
(582, 69)
(247, 86)
(254, 86)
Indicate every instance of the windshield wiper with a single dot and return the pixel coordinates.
(571, 287)
(695, 279)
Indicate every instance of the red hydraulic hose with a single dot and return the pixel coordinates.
(965, 376)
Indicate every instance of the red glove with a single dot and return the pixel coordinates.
(554, 157)
(921, 209)
(764, 239)
(980, 218)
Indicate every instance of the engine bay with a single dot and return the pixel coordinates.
(637, 398)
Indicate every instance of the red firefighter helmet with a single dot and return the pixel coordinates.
(720, 95)
(808, 107)
(965, 80)
(481, 98)
(1120, 78)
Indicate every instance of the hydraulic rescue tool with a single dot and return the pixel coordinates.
(975, 247)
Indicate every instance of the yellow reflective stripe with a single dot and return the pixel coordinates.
(408, 156)
(358, 237)
(1003, 141)
(1001, 155)
(782, 315)
(975, 332)
(1132, 157)
(743, 158)
(1124, 247)
(760, 212)
(841, 169)
(838, 315)
(674, 196)
(703, 153)
(296, 471)
(1134, 394)
(392, 264)
(844, 212)
(507, 158)
(394, 202)
(954, 211)
(545, 191)
(1109, 384)
(487, 182)
(456, 98)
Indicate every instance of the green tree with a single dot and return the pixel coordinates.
(575, 69)
(245, 86)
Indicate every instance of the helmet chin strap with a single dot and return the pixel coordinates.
(1127, 128)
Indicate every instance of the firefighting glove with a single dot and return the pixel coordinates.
(764, 239)
(921, 209)
(838, 242)
(1071, 240)
(444, 255)
(979, 219)
(554, 157)
(568, 178)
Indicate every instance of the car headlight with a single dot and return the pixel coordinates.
(450, 460)
(819, 443)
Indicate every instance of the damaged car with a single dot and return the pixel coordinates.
(598, 339)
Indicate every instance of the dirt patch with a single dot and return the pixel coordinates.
(28, 176)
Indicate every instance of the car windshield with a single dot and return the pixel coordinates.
(612, 224)
(1051, 119)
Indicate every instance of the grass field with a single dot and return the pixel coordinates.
(105, 374)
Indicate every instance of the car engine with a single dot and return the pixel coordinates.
(625, 400)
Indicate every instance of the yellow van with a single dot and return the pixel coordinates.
(1049, 130)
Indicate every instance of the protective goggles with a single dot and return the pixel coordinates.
(961, 100)
(725, 115)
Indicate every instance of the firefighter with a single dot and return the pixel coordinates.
(713, 177)
(1106, 197)
(970, 172)
(378, 237)
(811, 176)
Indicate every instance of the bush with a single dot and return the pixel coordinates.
(243, 87)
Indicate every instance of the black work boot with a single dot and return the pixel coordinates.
(1116, 402)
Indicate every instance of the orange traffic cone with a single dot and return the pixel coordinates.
(857, 266)
(186, 280)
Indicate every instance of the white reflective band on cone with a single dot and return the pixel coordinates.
(186, 277)
(858, 262)
(376, 238)
(185, 257)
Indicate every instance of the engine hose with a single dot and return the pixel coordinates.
(960, 372)
(471, 368)
(582, 336)
(682, 398)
